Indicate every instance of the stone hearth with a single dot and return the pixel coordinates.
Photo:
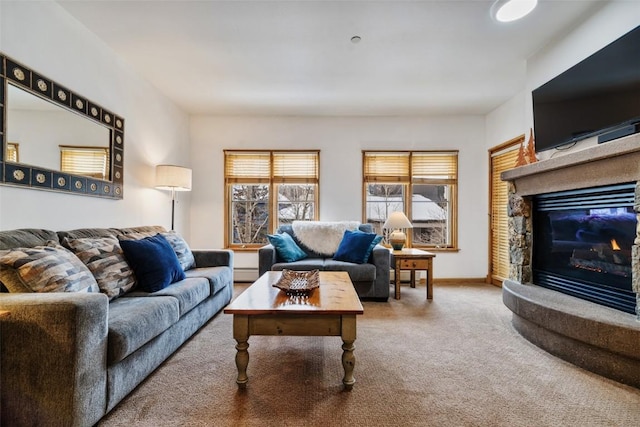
(597, 338)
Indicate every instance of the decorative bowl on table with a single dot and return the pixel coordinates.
(298, 283)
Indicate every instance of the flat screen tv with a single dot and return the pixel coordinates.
(597, 96)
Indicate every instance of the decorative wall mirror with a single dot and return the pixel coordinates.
(66, 142)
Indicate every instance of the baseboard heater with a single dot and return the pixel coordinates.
(245, 274)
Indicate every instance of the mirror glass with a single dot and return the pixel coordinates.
(40, 128)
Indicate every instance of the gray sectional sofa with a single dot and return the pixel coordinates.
(370, 279)
(67, 358)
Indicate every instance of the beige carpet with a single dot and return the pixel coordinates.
(454, 361)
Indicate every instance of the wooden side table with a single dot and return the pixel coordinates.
(413, 259)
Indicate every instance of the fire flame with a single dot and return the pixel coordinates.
(614, 245)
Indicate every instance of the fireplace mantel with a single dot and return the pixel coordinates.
(609, 163)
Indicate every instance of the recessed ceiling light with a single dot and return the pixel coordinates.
(355, 39)
(511, 10)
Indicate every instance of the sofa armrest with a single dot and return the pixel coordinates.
(381, 258)
(213, 258)
(53, 358)
(267, 256)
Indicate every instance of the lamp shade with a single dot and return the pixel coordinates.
(397, 220)
(170, 177)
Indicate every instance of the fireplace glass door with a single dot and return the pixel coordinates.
(582, 243)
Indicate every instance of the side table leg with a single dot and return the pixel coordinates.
(397, 279)
(241, 335)
(430, 279)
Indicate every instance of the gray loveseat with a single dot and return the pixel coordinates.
(67, 358)
(370, 279)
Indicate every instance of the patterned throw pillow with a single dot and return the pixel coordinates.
(105, 259)
(50, 268)
(181, 248)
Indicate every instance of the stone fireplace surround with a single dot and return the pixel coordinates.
(597, 338)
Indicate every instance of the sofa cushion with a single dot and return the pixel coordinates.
(26, 238)
(218, 277)
(357, 272)
(154, 262)
(355, 246)
(79, 233)
(181, 248)
(189, 292)
(134, 321)
(303, 265)
(104, 257)
(50, 268)
(286, 247)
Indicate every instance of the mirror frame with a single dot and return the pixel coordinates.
(35, 177)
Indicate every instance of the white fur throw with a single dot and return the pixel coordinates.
(322, 237)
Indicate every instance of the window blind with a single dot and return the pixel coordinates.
(295, 167)
(12, 152)
(247, 167)
(386, 167)
(500, 162)
(88, 161)
(434, 168)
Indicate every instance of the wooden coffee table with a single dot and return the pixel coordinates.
(329, 311)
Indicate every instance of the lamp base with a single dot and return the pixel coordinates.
(397, 240)
(397, 246)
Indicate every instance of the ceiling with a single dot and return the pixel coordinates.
(430, 57)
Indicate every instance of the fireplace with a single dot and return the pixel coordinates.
(574, 253)
(582, 243)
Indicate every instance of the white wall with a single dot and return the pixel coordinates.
(47, 39)
(341, 141)
(506, 122)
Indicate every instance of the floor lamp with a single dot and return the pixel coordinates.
(174, 178)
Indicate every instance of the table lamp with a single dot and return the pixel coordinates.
(397, 221)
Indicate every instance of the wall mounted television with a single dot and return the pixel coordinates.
(598, 96)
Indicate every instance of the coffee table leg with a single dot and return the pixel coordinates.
(348, 359)
(241, 335)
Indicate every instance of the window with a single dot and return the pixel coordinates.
(13, 152)
(265, 189)
(502, 158)
(423, 185)
(87, 161)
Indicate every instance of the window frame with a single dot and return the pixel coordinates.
(281, 170)
(400, 169)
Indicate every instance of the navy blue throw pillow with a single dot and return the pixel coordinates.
(355, 246)
(153, 261)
